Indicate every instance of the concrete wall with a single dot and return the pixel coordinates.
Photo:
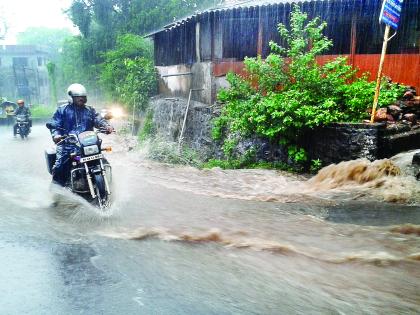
(179, 86)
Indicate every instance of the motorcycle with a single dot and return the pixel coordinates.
(90, 172)
(23, 126)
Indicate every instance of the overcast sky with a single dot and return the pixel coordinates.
(21, 14)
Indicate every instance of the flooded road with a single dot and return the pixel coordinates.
(187, 241)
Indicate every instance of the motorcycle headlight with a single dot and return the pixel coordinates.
(92, 149)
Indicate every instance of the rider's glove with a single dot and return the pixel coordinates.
(57, 138)
(109, 130)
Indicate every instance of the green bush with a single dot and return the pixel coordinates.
(147, 131)
(128, 74)
(41, 111)
(288, 93)
(167, 152)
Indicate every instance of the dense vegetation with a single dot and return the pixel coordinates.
(110, 56)
(111, 51)
(289, 92)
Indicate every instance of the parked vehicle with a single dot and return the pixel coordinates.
(23, 126)
(90, 173)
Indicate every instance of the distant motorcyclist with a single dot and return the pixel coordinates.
(24, 111)
(74, 117)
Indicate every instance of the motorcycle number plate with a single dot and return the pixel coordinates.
(91, 158)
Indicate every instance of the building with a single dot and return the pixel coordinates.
(198, 51)
(23, 74)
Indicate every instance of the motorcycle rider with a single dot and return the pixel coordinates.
(74, 117)
(21, 110)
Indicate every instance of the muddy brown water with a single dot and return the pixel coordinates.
(243, 242)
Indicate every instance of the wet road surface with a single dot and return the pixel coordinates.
(184, 241)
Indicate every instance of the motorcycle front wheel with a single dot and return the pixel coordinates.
(102, 197)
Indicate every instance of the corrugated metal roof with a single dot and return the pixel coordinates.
(226, 7)
(244, 3)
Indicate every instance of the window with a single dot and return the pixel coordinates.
(39, 61)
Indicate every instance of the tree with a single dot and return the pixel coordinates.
(127, 73)
(50, 39)
(102, 53)
(114, 68)
(3, 23)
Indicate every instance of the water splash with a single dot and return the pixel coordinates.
(382, 179)
(242, 240)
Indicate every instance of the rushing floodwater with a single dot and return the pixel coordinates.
(184, 241)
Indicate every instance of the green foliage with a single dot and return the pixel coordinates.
(111, 44)
(223, 164)
(289, 92)
(298, 155)
(41, 111)
(358, 97)
(100, 22)
(73, 68)
(239, 164)
(167, 152)
(52, 75)
(316, 165)
(148, 130)
(139, 83)
(50, 39)
(127, 73)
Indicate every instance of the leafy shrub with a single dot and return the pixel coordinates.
(167, 152)
(128, 73)
(148, 128)
(289, 92)
(41, 111)
(316, 165)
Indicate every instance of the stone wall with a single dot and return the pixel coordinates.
(343, 142)
(396, 139)
(332, 144)
(168, 117)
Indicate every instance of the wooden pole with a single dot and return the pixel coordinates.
(260, 34)
(378, 80)
(353, 40)
(183, 124)
(197, 42)
(181, 136)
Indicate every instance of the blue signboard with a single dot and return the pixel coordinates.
(391, 12)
